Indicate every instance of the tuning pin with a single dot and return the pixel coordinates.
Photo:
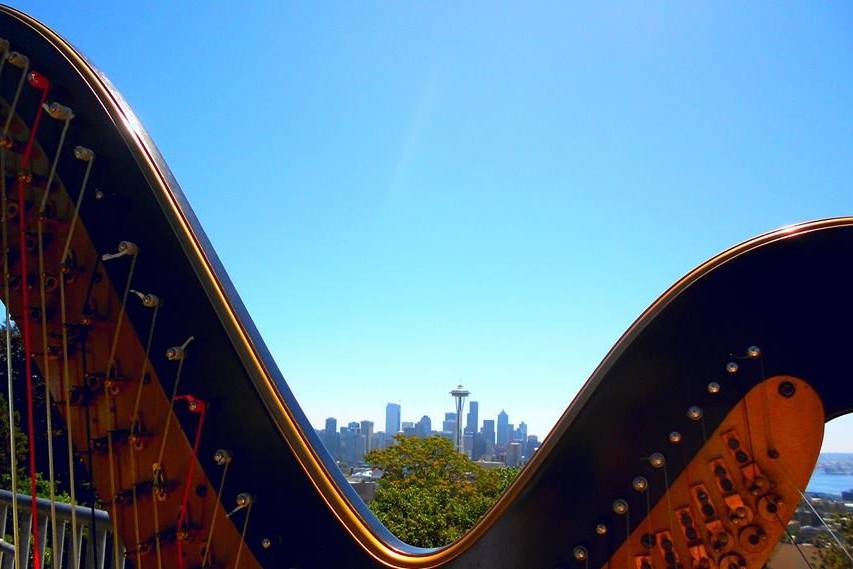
(675, 437)
(244, 500)
(657, 460)
(148, 300)
(58, 112)
(124, 248)
(694, 413)
(601, 529)
(732, 367)
(18, 59)
(83, 153)
(713, 388)
(620, 506)
(753, 352)
(640, 484)
(580, 553)
(222, 457)
(176, 353)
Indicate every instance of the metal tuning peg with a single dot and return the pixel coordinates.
(58, 111)
(83, 153)
(148, 300)
(124, 248)
(176, 353)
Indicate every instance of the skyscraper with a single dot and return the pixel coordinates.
(522, 432)
(367, 431)
(392, 420)
(503, 430)
(424, 427)
(473, 423)
(331, 438)
(489, 433)
(449, 423)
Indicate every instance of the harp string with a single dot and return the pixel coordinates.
(8, 319)
(13, 448)
(25, 317)
(157, 467)
(134, 431)
(111, 410)
(45, 348)
(63, 266)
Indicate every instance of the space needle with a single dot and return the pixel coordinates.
(459, 394)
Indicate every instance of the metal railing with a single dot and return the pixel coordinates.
(91, 545)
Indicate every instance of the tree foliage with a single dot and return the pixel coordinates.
(429, 494)
(831, 556)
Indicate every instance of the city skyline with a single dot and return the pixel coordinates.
(350, 417)
(510, 444)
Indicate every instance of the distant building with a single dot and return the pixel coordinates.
(478, 447)
(521, 432)
(424, 427)
(513, 454)
(392, 419)
(503, 430)
(449, 423)
(377, 441)
(330, 437)
(352, 444)
(531, 446)
(409, 428)
(367, 431)
(468, 445)
(488, 437)
(473, 421)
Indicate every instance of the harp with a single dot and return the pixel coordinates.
(689, 446)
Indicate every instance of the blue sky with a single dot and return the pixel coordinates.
(409, 196)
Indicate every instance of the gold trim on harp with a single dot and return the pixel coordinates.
(304, 452)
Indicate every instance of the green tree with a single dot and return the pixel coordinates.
(831, 556)
(429, 494)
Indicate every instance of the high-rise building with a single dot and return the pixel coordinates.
(531, 446)
(503, 430)
(473, 423)
(489, 437)
(408, 428)
(513, 454)
(479, 447)
(449, 424)
(468, 444)
(353, 443)
(522, 432)
(424, 427)
(392, 420)
(331, 438)
(367, 432)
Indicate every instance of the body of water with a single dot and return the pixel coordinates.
(830, 483)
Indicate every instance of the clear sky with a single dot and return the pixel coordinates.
(413, 195)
